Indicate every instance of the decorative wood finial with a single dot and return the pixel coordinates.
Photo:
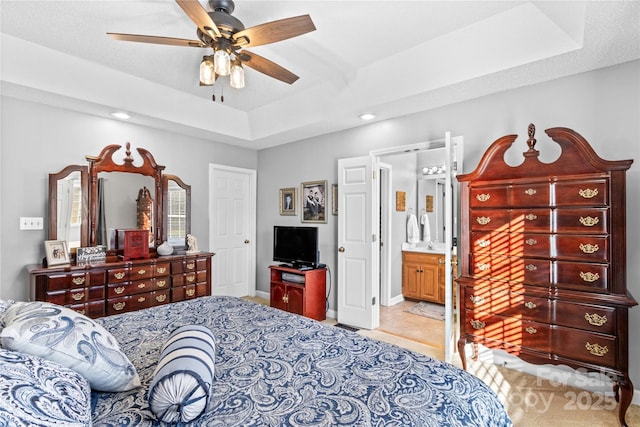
(531, 142)
(128, 159)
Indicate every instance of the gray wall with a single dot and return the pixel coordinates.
(603, 106)
(38, 140)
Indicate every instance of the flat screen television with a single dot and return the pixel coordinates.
(295, 246)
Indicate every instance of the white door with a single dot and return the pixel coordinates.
(232, 229)
(358, 247)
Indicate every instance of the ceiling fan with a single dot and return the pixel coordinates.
(228, 38)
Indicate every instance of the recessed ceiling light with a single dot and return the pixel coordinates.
(367, 116)
(120, 115)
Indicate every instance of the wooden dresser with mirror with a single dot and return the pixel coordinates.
(543, 259)
(87, 204)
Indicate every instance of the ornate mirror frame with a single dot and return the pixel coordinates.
(54, 179)
(104, 162)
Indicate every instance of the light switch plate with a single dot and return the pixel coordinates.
(31, 223)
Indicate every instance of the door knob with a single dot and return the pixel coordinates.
(246, 242)
(341, 249)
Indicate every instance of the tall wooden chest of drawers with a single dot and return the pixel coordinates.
(543, 258)
(120, 286)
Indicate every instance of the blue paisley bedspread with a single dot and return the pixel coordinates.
(274, 368)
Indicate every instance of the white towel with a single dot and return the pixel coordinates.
(413, 232)
(426, 229)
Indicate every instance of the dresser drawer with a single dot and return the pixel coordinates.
(585, 247)
(512, 330)
(490, 196)
(586, 316)
(189, 278)
(162, 269)
(582, 193)
(490, 219)
(141, 271)
(92, 309)
(530, 220)
(181, 293)
(76, 296)
(510, 304)
(582, 221)
(512, 244)
(585, 346)
(522, 270)
(537, 194)
(582, 275)
(116, 275)
(68, 280)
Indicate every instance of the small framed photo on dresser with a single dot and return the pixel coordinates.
(56, 252)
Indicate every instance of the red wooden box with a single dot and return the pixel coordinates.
(132, 244)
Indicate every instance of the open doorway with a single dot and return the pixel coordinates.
(401, 170)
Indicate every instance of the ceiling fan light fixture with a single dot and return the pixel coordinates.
(222, 62)
(207, 71)
(236, 78)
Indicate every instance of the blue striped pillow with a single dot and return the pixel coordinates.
(181, 384)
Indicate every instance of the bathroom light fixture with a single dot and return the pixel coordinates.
(120, 115)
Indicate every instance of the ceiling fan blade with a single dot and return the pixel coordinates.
(200, 17)
(267, 67)
(156, 40)
(274, 31)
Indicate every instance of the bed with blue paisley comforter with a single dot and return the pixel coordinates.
(273, 368)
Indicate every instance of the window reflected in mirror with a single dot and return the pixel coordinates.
(176, 205)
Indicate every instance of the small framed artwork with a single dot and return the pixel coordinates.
(313, 201)
(401, 197)
(56, 251)
(334, 199)
(288, 201)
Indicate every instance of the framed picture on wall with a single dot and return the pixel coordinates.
(313, 201)
(288, 201)
(334, 199)
(56, 251)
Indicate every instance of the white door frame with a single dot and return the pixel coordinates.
(251, 258)
(386, 173)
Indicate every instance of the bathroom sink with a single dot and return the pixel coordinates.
(428, 248)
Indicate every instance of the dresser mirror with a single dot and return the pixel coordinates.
(87, 202)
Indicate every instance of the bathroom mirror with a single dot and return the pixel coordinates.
(69, 205)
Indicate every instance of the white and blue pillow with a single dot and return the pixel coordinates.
(38, 392)
(181, 384)
(70, 339)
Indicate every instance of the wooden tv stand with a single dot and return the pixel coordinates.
(307, 297)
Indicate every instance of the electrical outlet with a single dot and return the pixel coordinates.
(31, 223)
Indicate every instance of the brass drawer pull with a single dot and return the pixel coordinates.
(531, 217)
(484, 243)
(119, 305)
(191, 279)
(482, 266)
(142, 299)
(191, 265)
(78, 280)
(119, 290)
(483, 197)
(530, 305)
(530, 191)
(191, 292)
(596, 349)
(142, 285)
(589, 221)
(588, 193)
(82, 311)
(119, 275)
(531, 267)
(441, 261)
(161, 270)
(531, 242)
(161, 298)
(161, 283)
(483, 220)
(531, 330)
(588, 248)
(477, 324)
(78, 296)
(285, 298)
(595, 319)
(589, 277)
(143, 271)
(476, 299)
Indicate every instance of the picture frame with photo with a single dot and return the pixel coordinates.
(334, 199)
(313, 201)
(288, 201)
(56, 252)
